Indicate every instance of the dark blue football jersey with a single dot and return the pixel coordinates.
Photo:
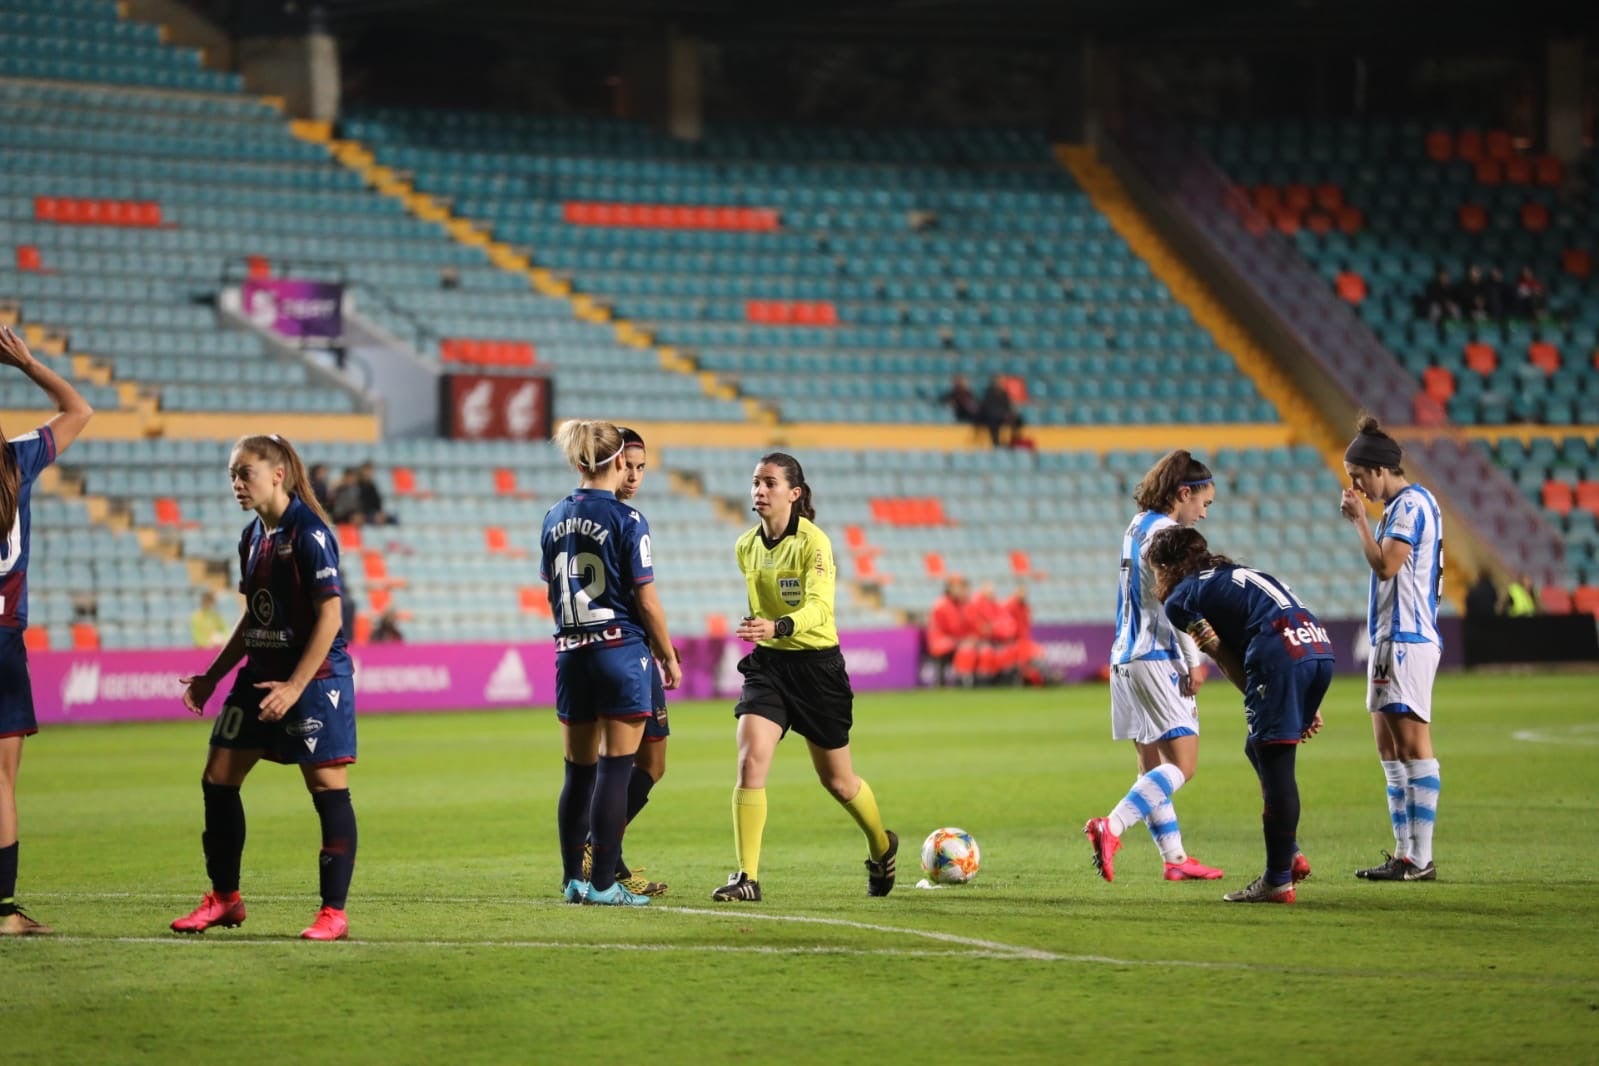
(595, 553)
(286, 572)
(1241, 604)
(34, 451)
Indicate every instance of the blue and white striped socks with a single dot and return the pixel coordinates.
(1422, 807)
(1150, 800)
(1398, 805)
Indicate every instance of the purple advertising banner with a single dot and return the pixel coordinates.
(294, 308)
(121, 686)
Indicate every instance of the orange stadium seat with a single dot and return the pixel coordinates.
(1552, 599)
(1286, 220)
(258, 266)
(1319, 223)
(1021, 564)
(498, 542)
(28, 258)
(1267, 198)
(1587, 497)
(85, 637)
(167, 513)
(716, 624)
(1440, 146)
(1544, 355)
(1468, 145)
(855, 537)
(1350, 219)
(1329, 197)
(1534, 217)
(1498, 145)
(933, 566)
(379, 599)
(405, 482)
(1546, 170)
(1489, 172)
(1439, 383)
(349, 536)
(376, 569)
(363, 628)
(1473, 219)
(1585, 599)
(36, 638)
(1351, 287)
(1557, 497)
(1481, 357)
(1518, 171)
(1576, 262)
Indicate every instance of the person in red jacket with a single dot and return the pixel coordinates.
(1028, 654)
(951, 639)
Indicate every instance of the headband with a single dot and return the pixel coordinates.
(1198, 482)
(1373, 450)
(608, 460)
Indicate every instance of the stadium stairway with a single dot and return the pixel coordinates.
(385, 180)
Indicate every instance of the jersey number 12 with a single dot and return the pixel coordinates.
(580, 582)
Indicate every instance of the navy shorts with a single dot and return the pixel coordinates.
(1283, 694)
(16, 691)
(807, 691)
(655, 727)
(599, 682)
(319, 730)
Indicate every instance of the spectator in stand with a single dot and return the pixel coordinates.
(371, 497)
(1476, 295)
(951, 640)
(961, 400)
(1439, 300)
(387, 629)
(347, 497)
(997, 413)
(1521, 597)
(1531, 300)
(1028, 654)
(206, 625)
(318, 476)
(1482, 599)
(1501, 295)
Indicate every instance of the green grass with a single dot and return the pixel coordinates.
(462, 953)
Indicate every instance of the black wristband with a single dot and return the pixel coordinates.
(783, 627)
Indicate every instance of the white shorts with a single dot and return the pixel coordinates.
(1145, 702)
(1399, 678)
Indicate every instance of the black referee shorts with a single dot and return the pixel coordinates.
(807, 691)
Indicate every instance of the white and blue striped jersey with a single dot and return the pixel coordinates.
(1142, 631)
(1404, 609)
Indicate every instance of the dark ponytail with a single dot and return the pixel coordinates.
(10, 487)
(275, 449)
(1158, 489)
(794, 474)
(1175, 553)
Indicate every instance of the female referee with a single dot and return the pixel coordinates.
(21, 461)
(294, 700)
(1279, 656)
(795, 675)
(1407, 566)
(597, 563)
(1153, 676)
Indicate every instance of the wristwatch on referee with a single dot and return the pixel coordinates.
(783, 627)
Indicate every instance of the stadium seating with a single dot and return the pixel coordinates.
(845, 290)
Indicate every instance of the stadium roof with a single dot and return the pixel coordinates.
(1245, 23)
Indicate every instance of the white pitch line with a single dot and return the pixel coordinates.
(536, 945)
(845, 923)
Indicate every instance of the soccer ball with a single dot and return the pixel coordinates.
(950, 856)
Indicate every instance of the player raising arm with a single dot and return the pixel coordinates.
(22, 459)
(1406, 556)
(294, 700)
(608, 617)
(1153, 676)
(1277, 653)
(795, 676)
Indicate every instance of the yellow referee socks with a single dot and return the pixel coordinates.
(749, 822)
(863, 808)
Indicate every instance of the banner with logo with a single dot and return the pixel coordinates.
(296, 308)
(120, 686)
(495, 406)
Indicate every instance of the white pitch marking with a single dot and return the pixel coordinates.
(1585, 734)
(845, 923)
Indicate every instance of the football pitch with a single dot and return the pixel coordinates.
(462, 952)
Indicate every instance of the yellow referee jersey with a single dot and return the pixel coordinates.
(793, 578)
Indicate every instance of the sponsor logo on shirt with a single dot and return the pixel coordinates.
(791, 590)
(326, 572)
(304, 727)
(261, 606)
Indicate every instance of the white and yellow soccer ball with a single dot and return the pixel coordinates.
(950, 856)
